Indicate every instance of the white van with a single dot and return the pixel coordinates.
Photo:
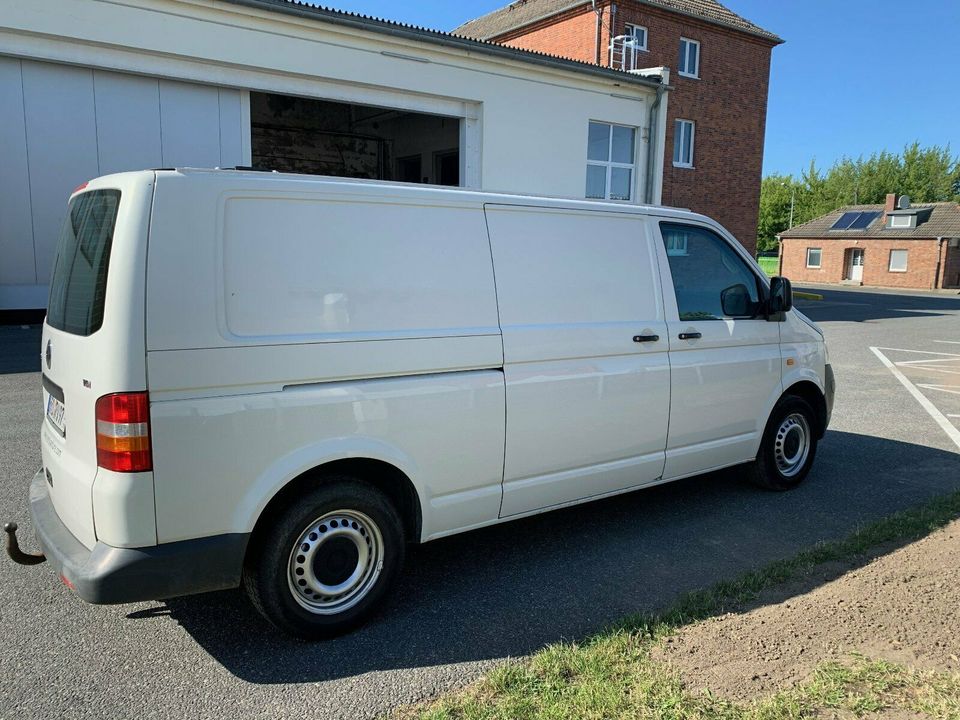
(276, 381)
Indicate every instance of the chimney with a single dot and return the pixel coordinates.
(891, 204)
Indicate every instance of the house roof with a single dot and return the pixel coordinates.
(526, 12)
(943, 221)
(309, 10)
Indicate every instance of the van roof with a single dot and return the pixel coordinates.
(428, 190)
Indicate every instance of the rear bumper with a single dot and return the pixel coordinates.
(108, 575)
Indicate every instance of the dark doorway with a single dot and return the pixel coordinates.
(447, 167)
(318, 137)
(410, 169)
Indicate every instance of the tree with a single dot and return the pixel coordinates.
(925, 174)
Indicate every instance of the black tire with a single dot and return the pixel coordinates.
(353, 513)
(766, 471)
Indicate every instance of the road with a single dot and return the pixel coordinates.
(466, 603)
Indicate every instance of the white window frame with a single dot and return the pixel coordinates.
(685, 71)
(900, 221)
(820, 262)
(632, 49)
(678, 142)
(906, 257)
(609, 165)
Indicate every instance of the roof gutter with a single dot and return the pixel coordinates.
(409, 32)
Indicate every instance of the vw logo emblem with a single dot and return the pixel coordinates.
(49, 354)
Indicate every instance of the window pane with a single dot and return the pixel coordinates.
(640, 37)
(623, 144)
(898, 260)
(813, 257)
(682, 63)
(693, 59)
(707, 268)
(620, 182)
(78, 286)
(596, 181)
(677, 141)
(598, 143)
(687, 143)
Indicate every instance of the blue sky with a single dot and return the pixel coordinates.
(854, 77)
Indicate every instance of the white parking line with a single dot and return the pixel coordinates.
(948, 427)
(952, 358)
(921, 352)
(952, 389)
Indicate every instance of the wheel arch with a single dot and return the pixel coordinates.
(810, 392)
(386, 477)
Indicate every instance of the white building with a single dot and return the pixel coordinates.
(90, 87)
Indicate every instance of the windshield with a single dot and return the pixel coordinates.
(78, 287)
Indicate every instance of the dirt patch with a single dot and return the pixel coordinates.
(903, 606)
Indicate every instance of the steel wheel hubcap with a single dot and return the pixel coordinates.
(792, 444)
(335, 562)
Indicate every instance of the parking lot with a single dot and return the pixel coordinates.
(467, 602)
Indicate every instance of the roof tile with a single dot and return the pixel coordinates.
(526, 12)
(944, 221)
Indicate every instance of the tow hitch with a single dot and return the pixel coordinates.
(14, 551)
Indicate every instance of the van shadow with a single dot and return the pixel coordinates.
(859, 306)
(508, 590)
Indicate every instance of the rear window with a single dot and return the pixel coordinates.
(79, 283)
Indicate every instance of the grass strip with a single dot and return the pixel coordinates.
(611, 674)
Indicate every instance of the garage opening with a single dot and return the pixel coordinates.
(319, 137)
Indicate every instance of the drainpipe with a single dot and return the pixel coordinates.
(936, 273)
(599, 13)
(613, 33)
(653, 122)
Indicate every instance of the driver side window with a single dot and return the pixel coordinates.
(710, 279)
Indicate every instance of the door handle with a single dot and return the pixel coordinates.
(691, 336)
(645, 338)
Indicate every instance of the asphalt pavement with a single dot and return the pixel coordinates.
(466, 603)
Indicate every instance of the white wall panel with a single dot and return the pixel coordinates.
(189, 124)
(16, 225)
(128, 122)
(61, 146)
(231, 129)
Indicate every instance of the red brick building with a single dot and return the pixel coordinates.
(720, 70)
(892, 245)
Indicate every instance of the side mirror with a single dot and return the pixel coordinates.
(781, 295)
(735, 301)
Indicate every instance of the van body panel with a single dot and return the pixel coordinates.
(123, 509)
(302, 263)
(729, 369)
(84, 367)
(587, 406)
(184, 374)
(448, 430)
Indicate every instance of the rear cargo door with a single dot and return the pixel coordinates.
(92, 343)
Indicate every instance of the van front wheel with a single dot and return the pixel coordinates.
(788, 447)
(326, 560)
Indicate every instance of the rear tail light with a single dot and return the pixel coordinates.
(123, 432)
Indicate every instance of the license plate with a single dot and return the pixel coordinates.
(55, 413)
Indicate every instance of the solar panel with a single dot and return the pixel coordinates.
(865, 219)
(845, 221)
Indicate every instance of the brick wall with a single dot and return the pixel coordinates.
(951, 267)
(728, 102)
(922, 256)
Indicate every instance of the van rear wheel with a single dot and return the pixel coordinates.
(324, 561)
(788, 447)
